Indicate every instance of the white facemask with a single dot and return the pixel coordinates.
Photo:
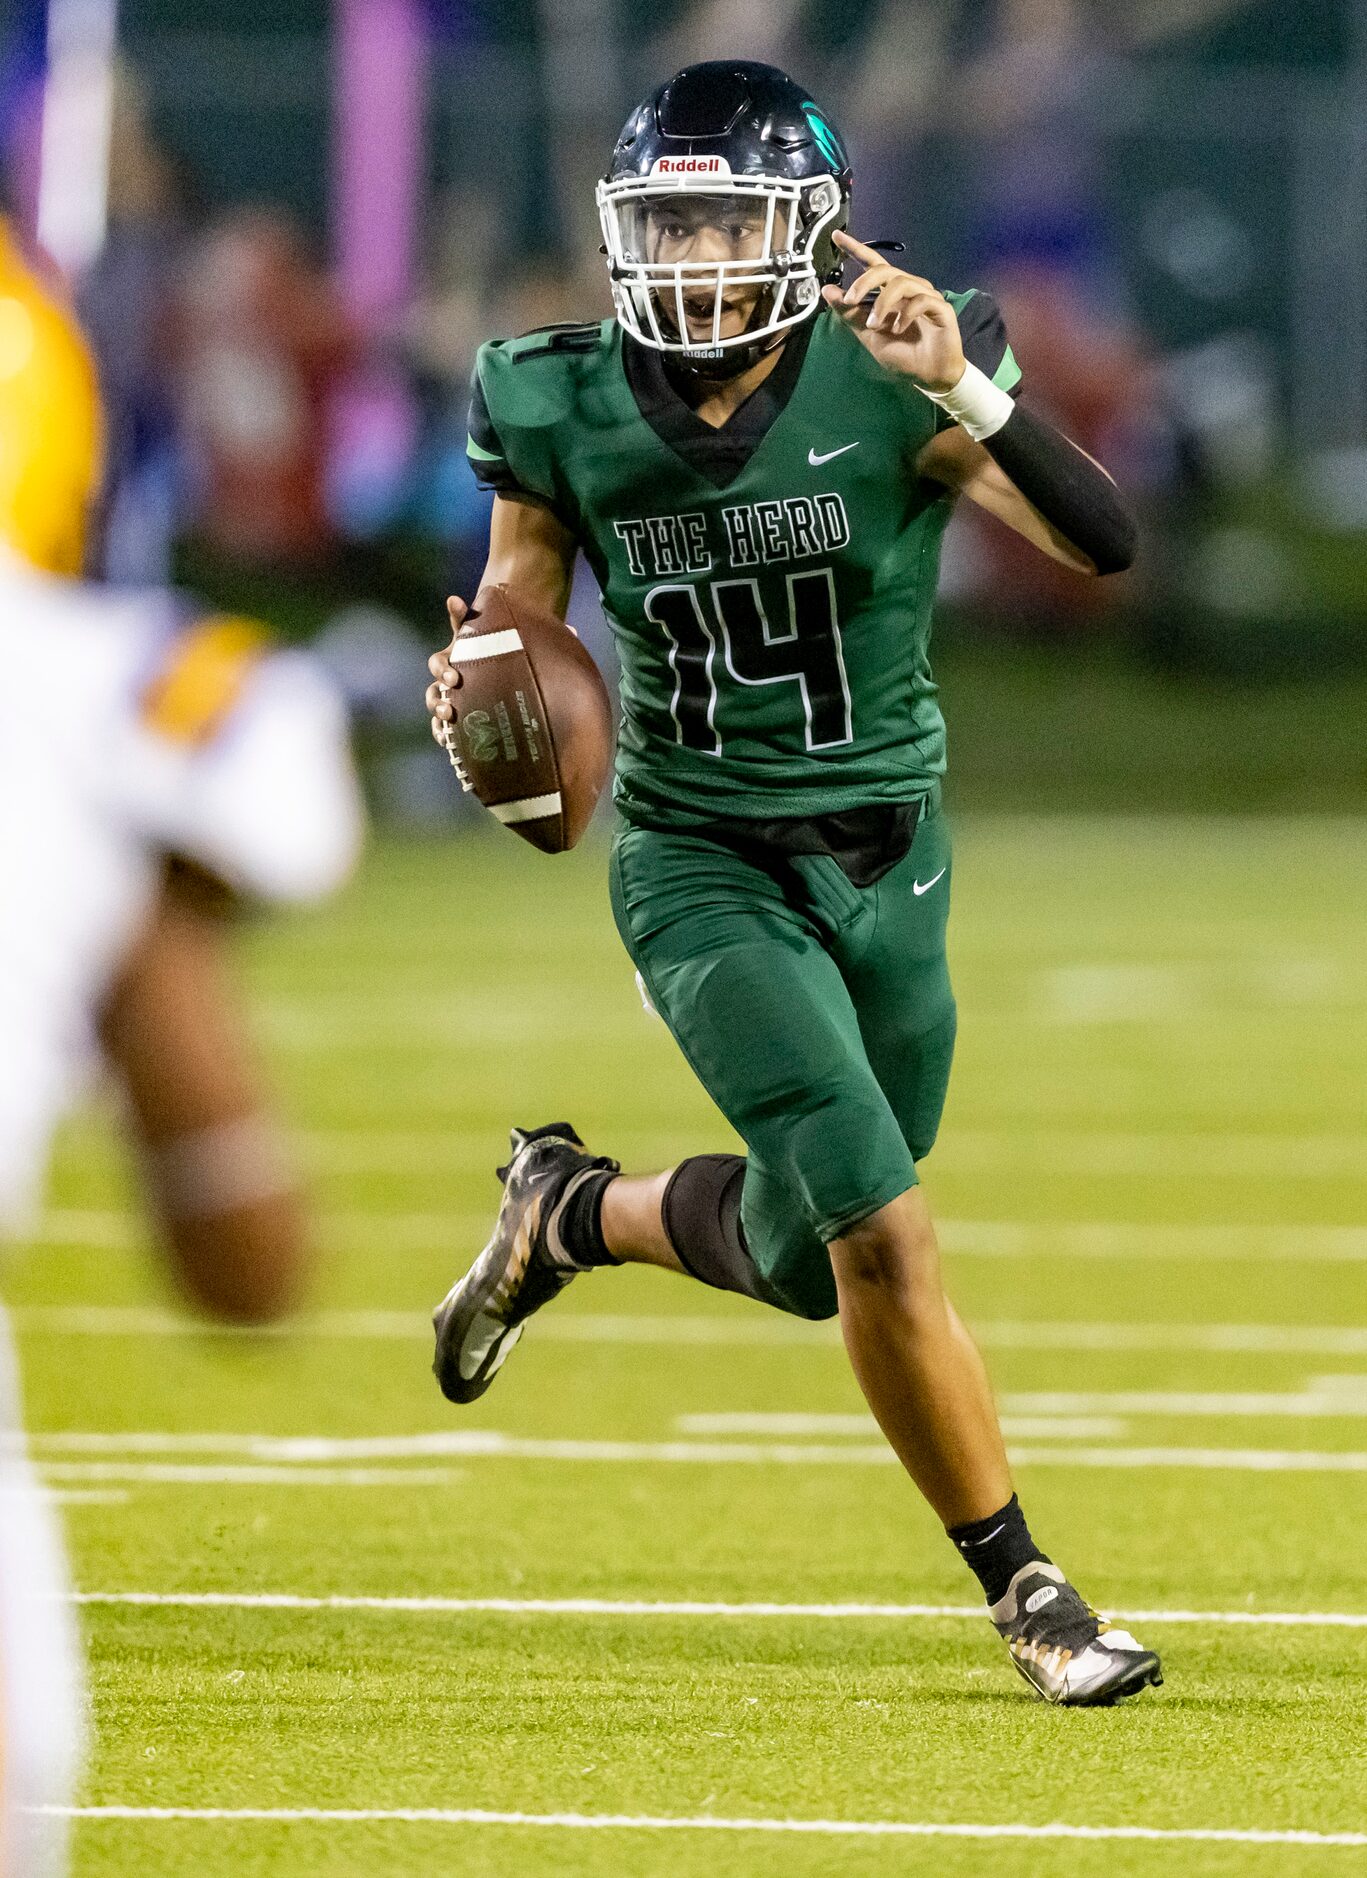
(703, 262)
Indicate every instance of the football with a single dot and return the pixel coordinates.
(532, 737)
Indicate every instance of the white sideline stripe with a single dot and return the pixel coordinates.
(178, 1474)
(465, 649)
(288, 1450)
(672, 1607)
(295, 1456)
(768, 1328)
(705, 1822)
(389, 1233)
(526, 808)
(307, 1449)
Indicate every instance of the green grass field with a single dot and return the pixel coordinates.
(1153, 1182)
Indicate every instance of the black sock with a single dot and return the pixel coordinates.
(581, 1219)
(995, 1548)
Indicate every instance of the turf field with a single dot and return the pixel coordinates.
(1153, 1181)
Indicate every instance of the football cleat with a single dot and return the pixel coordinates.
(1065, 1651)
(525, 1264)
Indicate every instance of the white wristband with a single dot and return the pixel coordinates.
(976, 403)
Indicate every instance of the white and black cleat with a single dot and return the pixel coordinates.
(525, 1264)
(1065, 1651)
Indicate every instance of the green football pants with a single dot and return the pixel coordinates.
(818, 1016)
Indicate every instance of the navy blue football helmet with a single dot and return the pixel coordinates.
(724, 189)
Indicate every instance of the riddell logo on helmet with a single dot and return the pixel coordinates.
(690, 166)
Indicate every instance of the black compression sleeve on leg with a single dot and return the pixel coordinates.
(1067, 488)
(701, 1213)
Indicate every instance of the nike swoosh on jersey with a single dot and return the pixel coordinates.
(816, 458)
(920, 887)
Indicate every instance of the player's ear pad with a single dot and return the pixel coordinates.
(701, 1213)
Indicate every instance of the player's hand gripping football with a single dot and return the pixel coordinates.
(446, 679)
(900, 317)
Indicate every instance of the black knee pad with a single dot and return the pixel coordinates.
(701, 1212)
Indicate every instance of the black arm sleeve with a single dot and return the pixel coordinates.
(1067, 488)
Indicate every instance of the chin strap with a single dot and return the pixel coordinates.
(729, 361)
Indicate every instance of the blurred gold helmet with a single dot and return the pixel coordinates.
(50, 421)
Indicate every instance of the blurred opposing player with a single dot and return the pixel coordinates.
(759, 465)
(155, 769)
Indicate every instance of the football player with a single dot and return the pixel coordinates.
(758, 462)
(204, 770)
(197, 768)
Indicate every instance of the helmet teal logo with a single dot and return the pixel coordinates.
(827, 141)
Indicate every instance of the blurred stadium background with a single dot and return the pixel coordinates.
(287, 227)
(304, 218)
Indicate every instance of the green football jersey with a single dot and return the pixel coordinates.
(769, 584)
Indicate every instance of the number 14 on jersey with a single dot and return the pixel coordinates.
(740, 646)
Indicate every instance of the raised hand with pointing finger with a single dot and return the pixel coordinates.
(905, 322)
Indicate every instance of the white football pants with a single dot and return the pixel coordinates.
(40, 1674)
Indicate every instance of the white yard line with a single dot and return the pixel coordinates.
(1080, 1151)
(1028, 1427)
(293, 1459)
(387, 1234)
(1247, 1339)
(422, 1152)
(1215, 989)
(136, 1320)
(181, 1474)
(1203, 1156)
(112, 1230)
(439, 1443)
(1343, 1403)
(286, 1450)
(423, 1030)
(94, 1496)
(1129, 1240)
(799, 1426)
(671, 1607)
(760, 1328)
(1084, 1413)
(1217, 1460)
(706, 1822)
